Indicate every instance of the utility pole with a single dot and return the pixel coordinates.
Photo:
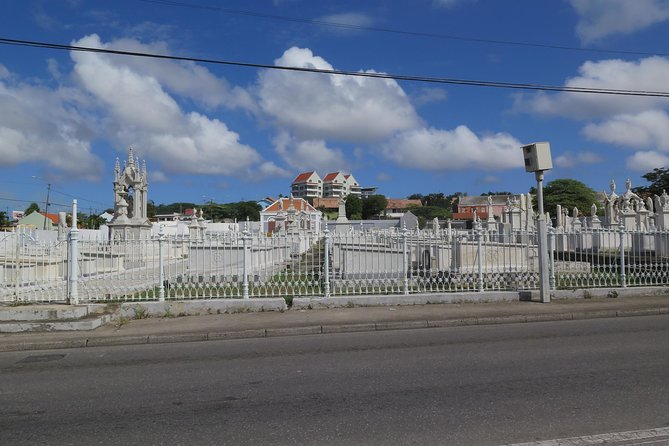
(46, 204)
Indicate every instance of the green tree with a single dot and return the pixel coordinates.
(439, 199)
(150, 209)
(34, 207)
(4, 221)
(249, 209)
(569, 194)
(659, 182)
(373, 205)
(353, 207)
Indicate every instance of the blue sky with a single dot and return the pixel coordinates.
(225, 133)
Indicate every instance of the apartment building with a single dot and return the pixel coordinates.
(307, 185)
(334, 184)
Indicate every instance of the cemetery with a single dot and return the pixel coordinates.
(294, 252)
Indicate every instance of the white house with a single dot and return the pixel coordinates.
(290, 215)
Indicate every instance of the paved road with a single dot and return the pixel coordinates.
(465, 385)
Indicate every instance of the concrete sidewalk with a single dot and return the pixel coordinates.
(333, 320)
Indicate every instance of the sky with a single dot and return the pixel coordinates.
(223, 133)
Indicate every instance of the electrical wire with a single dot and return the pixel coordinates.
(342, 25)
(398, 77)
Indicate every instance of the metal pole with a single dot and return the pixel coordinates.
(326, 262)
(544, 290)
(17, 265)
(161, 269)
(551, 257)
(73, 291)
(46, 204)
(479, 251)
(405, 260)
(621, 231)
(245, 280)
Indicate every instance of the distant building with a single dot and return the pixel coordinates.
(175, 216)
(330, 204)
(265, 202)
(106, 216)
(290, 215)
(352, 186)
(397, 207)
(367, 191)
(468, 204)
(307, 185)
(39, 220)
(334, 185)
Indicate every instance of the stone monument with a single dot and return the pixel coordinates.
(130, 221)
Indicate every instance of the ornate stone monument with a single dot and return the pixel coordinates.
(130, 186)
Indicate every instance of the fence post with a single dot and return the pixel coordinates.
(551, 257)
(326, 262)
(621, 232)
(479, 236)
(73, 290)
(405, 259)
(17, 265)
(161, 268)
(245, 280)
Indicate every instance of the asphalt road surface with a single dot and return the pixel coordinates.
(486, 385)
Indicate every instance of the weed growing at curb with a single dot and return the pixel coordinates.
(587, 294)
(168, 312)
(121, 321)
(613, 294)
(140, 313)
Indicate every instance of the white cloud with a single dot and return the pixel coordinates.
(354, 19)
(142, 113)
(457, 149)
(647, 161)
(269, 168)
(648, 129)
(186, 79)
(646, 74)
(157, 176)
(309, 154)
(4, 72)
(569, 159)
(428, 95)
(600, 18)
(317, 106)
(38, 124)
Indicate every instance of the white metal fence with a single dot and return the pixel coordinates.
(246, 265)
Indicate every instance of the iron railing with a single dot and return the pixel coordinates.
(247, 265)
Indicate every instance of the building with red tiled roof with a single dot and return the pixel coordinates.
(334, 184)
(39, 220)
(467, 205)
(290, 215)
(397, 207)
(307, 185)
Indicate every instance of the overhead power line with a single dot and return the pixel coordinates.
(343, 25)
(399, 77)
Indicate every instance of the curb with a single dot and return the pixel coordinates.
(324, 329)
